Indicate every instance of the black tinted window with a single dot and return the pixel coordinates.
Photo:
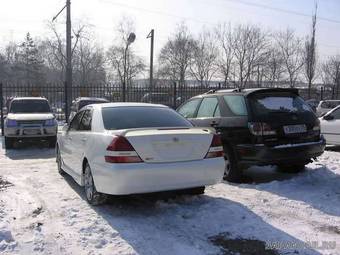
(188, 109)
(263, 104)
(85, 123)
(207, 107)
(336, 114)
(30, 106)
(141, 117)
(76, 121)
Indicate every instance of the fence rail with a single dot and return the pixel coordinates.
(169, 94)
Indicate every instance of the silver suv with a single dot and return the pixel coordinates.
(30, 118)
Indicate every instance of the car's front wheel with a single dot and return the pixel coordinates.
(232, 171)
(92, 195)
(9, 141)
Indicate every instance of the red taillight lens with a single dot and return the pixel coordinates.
(121, 152)
(216, 148)
(259, 129)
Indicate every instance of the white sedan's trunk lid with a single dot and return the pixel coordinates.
(170, 145)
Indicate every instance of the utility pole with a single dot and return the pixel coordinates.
(68, 90)
(151, 35)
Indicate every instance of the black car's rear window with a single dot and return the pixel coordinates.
(141, 117)
(266, 103)
(29, 106)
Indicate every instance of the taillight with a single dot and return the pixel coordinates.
(121, 151)
(260, 129)
(216, 148)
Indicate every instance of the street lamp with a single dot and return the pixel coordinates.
(131, 39)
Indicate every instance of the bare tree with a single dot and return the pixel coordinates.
(226, 51)
(274, 67)
(135, 65)
(203, 65)
(291, 50)
(331, 74)
(176, 55)
(310, 55)
(250, 46)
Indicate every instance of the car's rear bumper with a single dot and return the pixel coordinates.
(125, 179)
(282, 154)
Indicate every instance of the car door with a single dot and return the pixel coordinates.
(188, 109)
(330, 127)
(69, 149)
(79, 141)
(208, 113)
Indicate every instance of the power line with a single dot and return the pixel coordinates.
(282, 10)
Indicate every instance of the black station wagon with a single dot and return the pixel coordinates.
(259, 127)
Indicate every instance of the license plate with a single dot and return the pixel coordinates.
(295, 129)
(31, 131)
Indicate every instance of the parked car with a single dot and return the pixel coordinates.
(80, 102)
(313, 103)
(259, 127)
(330, 126)
(159, 98)
(30, 118)
(325, 106)
(129, 148)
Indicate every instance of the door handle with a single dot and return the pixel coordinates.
(214, 123)
(84, 139)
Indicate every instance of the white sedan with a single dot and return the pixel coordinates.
(330, 126)
(130, 148)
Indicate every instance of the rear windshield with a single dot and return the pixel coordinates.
(87, 102)
(30, 106)
(141, 117)
(263, 104)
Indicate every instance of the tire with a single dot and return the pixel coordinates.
(232, 172)
(194, 191)
(296, 168)
(9, 143)
(59, 162)
(52, 141)
(93, 197)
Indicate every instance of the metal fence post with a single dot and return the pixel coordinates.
(175, 95)
(2, 110)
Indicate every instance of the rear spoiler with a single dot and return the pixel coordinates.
(205, 129)
(251, 92)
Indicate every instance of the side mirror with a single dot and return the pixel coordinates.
(328, 117)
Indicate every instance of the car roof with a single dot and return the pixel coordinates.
(29, 98)
(247, 92)
(110, 105)
(91, 99)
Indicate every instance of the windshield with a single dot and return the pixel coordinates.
(263, 104)
(30, 106)
(141, 117)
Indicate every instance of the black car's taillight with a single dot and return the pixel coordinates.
(261, 129)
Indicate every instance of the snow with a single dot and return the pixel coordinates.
(45, 213)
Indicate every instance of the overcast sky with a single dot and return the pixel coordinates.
(17, 17)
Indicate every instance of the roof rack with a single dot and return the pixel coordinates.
(229, 90)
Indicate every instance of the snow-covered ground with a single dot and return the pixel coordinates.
(42, 212)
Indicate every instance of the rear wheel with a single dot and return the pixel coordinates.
(232, 172)
(296, 168)
(9, 141)
(92, 195)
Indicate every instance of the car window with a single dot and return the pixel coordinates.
(116, 118)
(86, 121)
(236, 104)
(336, 114)
(188, 109)
(207, 107)
(29, 106)
(217, 112)
(76, 121)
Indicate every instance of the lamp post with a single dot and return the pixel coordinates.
(131, 39)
